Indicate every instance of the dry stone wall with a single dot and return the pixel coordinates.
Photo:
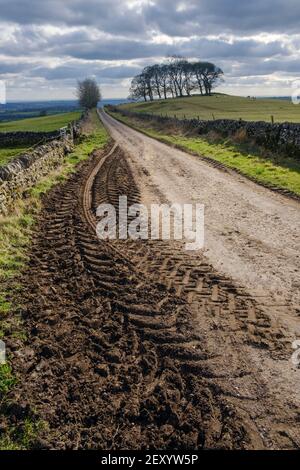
(25, 170)
(280, 137)
(10, 139)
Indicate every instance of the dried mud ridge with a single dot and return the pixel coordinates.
(114, 358)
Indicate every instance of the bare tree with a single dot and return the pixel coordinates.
(88, 93)
(164, 80)
(138, 89)
(154, 74)
(177, 77)
(207, 76)
(147, 75)
(212, 77)
(178, 66)
(188, 81)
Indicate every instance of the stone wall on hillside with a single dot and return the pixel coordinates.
(280, 137)
(22, 139)
(25, 170)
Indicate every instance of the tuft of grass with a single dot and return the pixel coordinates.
(22, 437)
(270, 170)
(5, 305)
(7, 379)
(6, 443)
(14, 237)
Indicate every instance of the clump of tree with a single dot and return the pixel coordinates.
(175, 78)
(88, 93)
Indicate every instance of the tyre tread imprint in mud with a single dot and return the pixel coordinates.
(115, 360)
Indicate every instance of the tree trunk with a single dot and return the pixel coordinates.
(165, 92)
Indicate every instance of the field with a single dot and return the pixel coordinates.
(221, 106)
(11, 111)
(40, 124)
(47, 123)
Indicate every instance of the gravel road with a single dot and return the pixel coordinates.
(251, 233)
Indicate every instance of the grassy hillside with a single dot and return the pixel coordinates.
(47, 123)
(221, 106)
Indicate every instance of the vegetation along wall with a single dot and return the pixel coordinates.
(279, 137)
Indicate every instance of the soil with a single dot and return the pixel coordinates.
(141, 344)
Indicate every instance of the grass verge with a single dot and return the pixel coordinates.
(15, 235)
(271, 170)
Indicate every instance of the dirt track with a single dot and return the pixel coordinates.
(142, 344)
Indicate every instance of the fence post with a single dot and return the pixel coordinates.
(272, 119)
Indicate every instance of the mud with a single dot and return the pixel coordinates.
(135, 345)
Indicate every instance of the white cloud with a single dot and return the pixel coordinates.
(49, 45)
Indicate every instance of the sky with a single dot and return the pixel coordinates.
(46, 46)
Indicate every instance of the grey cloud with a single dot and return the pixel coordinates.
(109, 30)
(77, 71)
(81, 44)
(173, 17)
(107, 15)
(266, 67)
(212, 16)
(238, 48)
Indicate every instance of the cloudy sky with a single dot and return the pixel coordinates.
(45, 46)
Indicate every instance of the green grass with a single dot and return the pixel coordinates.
(5, 306)
(7, 154)
(272, 170)
(40, 124)
(15, 235)
(221, 106)
(22, 438)
(7, 379)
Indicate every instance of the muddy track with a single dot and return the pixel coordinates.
(190, 278)
(222, 311)
(132, 345)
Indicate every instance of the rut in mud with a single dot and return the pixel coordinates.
(116, 358)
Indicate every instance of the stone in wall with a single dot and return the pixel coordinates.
(11, 139)
(25, 171)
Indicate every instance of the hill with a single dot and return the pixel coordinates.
(219, 106)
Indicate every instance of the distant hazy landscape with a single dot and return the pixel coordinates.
(12, 111)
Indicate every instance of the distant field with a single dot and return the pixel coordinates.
(221, 106)
(47, 123)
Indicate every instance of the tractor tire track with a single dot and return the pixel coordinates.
(115, 358)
